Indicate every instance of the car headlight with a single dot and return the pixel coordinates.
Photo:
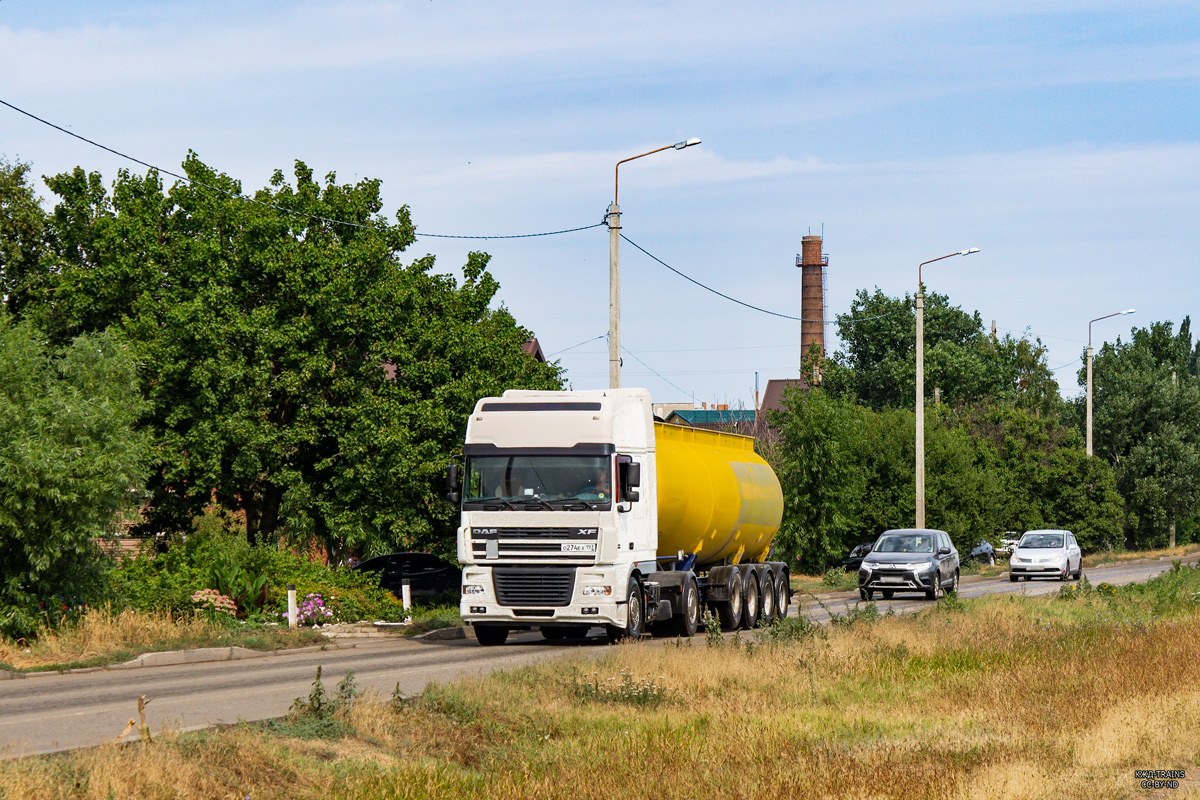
(928, 566)
(472, 588)
(595, 591)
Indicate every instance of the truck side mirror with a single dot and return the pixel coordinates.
(629, 477)
(452, 484)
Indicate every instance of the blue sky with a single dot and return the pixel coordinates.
(1061, 138)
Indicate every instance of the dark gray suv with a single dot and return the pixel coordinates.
(909, 560)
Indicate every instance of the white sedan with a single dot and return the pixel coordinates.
(1047, 554)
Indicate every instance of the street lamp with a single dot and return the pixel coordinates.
(1089, 372)
(920, 406)
(614, 267)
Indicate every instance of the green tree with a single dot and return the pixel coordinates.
(296, 369)
(22, 232)
(69, 459)
(1146, 422)
(820, 474)
(1047, 479)
(847, 476)
(877, 363)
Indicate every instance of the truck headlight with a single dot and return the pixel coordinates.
(594, 591)
(472, 588)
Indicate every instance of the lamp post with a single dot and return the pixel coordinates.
(1089, 372)
(613, 217)
(920, 406)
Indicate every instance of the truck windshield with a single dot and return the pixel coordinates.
(525, 482)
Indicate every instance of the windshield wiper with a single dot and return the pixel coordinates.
(493, 503)
(533, 502)
(576, 504)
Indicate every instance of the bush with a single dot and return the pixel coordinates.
(218, 557)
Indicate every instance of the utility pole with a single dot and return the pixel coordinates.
(613, 217)
(920, 400)
(614, 296)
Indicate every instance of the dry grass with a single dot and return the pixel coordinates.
(1139, 555)
(1000, 698)
(102, 636)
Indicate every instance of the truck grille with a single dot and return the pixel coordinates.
(576, 546)
(536, 586)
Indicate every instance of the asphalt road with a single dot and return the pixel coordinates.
(48, 713)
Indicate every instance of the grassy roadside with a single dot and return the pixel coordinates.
(1115, 557)
(103, 637)
(992, 698)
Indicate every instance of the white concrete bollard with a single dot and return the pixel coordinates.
(292, 622)
(406, 596)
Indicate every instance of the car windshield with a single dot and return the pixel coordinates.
(905, 543)
(1040, 541)
(516, 481)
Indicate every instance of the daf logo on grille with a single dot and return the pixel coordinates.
(487, 531)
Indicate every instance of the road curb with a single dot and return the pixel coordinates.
(441, 635)
(167, 658)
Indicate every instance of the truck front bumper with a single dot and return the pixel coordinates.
(598, 598)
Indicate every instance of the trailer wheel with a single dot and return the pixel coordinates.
(766, 593)
(750, 590)
(729, 611)
(491, 635)
(782, 601)
(635, 619)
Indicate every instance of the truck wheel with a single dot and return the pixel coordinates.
(782, 601)
(729, 611)
(766, 597)
(635, 619)
(491, 635)
(688, 620)
(750, 590)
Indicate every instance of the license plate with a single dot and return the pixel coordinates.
(891, 579)
(578, 547)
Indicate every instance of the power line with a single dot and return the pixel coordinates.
(742, 303)
(510, 236)
(265, 204)
(656, 372)
(581, 344)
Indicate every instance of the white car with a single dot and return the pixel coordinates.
(1046, 554)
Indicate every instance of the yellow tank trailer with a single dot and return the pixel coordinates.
(717, 498)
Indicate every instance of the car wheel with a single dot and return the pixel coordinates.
(887, 594)
(1079, 570)
(936, 591)
(866, 594)
(635, 619)
(1012, 578)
